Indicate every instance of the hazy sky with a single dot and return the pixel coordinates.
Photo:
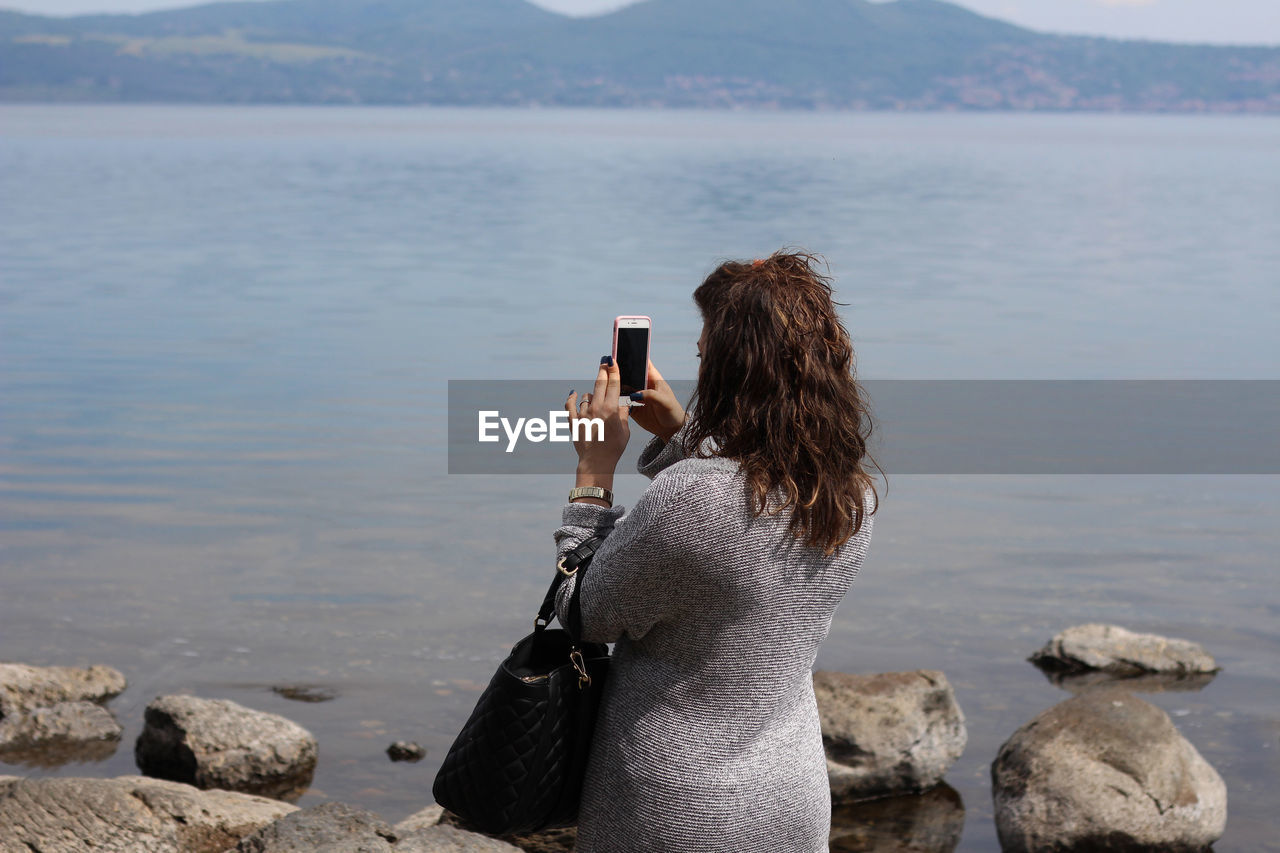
(1230, 21)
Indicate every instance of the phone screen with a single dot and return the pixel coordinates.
(633, 357)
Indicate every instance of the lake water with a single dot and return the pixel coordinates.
(225, 335)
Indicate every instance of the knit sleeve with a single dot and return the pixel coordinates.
(632, 582)
(658, 455)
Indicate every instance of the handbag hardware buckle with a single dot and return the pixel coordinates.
(575, 657)
(562, 570)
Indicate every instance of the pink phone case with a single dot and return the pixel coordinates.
(648, 344)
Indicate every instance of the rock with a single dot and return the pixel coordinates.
(1105, 770)
(305, 692)
(932, 822)
(53, 735)
(327, 828)
(48, 714)
(1121, 652)
(404, 750)
(340, 828)
(24, 688)
(892, 733)
(217, 743)
(131, 814)
(208, 820)
(451, 839)
(72, 720)
(429, 816)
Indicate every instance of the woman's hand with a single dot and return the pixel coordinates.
(598, 459)
(661, 413)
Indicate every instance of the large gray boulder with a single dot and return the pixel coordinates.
(131, 814)
(326, 828)
(1121, 652)
(49, 714)
(892, 733)
(217, 743)
(1105, 770)
(932, 821)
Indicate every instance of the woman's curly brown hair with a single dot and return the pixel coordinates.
(777, 393)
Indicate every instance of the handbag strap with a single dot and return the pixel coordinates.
(574, 562)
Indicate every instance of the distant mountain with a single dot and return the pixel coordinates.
(842, 54)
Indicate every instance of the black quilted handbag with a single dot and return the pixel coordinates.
(517, 766)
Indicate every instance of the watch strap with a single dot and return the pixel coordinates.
(591, 492)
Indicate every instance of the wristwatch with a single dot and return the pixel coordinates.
(591, 492)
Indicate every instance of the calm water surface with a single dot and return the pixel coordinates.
(225, 335)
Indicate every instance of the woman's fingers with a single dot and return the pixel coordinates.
(573, 405)
(601, 390)
(614, 389)
(603, 403)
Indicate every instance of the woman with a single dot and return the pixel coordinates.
(720, 584)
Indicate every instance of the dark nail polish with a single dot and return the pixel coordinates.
(606, 360)
(570, 392)
(637, 396)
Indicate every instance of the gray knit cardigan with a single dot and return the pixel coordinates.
(708, 739)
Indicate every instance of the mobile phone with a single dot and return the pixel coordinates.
(631, 351)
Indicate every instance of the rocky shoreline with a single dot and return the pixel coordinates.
(1100, 770)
